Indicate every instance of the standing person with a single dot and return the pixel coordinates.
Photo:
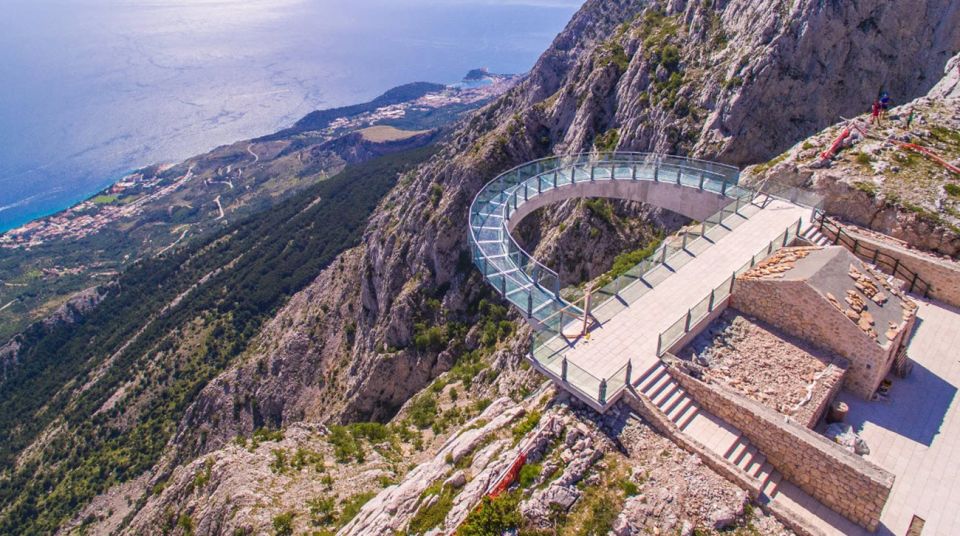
(875, 114)
(910, 118)
(884, 103)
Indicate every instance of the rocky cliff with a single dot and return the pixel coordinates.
(712, 79)
(737, 80)
(879, 177)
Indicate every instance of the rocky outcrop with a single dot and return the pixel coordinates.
(875, 181)
(71, 312)
(738, 80)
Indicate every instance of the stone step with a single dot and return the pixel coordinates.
(668, 390)
(655, 383)
(651, 374)
(671, 402)
(680, 409)
(746, 459)
(764, 472)
(771, 487)
(658, 387)
(684, 421)
(737, 450)
(651, 377)
(756, 464)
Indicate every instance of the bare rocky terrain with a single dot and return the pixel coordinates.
(875, 182)
(388, 390)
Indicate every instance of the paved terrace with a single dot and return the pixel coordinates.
(632, 334)
(915, 434)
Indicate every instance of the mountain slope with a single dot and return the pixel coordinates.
(364, 339)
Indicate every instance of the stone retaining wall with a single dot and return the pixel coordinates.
(943, 275)
(842, 481)
(811, 318)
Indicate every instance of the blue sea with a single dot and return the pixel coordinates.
(91, 89)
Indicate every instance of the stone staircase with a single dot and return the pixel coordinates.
(726, 441)
(815, 237)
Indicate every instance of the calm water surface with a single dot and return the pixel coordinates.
(90, 89)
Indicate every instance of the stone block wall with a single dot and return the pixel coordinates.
(824, 392)
(813, 319)
(842, 481)
(943, 275)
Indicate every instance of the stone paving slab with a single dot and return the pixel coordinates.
(915, 434)
(633, 333)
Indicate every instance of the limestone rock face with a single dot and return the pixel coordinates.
(70, 312)
(737, 80)
(876, 182)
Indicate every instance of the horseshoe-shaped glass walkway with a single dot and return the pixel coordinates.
(704, 191)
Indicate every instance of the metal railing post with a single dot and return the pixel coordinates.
(563, 368)
(896, 266)
(633, 175)
(484, 259)
(786, 235)
(663, 254)
(679, 174)
(529, 304)
(733, 279)
(723, 189)
(686, 326)
(555, 173)
(703, 229)
(503, 286)
(603, 391)
(629, 372)
(701, 180)
(684, 246)
(659, 345)
(539, 185)
(712, 297)
(525, 190)
(656, 172)
(914, 282)
(876, 253)
(593, 170)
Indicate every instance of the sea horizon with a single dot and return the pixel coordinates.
(129, 85)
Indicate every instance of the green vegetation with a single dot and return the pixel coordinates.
(431, 516)
(351, 507)
(625, 261)
(601, 208)
(866, 187)
(268, 257)
(952, 189)
(607, 141)
(493, 516)
(763, 168)
(526, 425)
(529, 474)
(283, 524)
(864, 159)
(104, 199)
(347, 440)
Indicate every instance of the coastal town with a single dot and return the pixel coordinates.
(128, 197)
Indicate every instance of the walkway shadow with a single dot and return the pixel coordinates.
(916, 408)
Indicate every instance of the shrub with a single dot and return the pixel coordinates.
(423, 410)
(528, 423)
(493, 516)
(351, 507)
(528, 474)
(283, 524)
(953, 190)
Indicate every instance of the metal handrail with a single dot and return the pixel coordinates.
(509, 190)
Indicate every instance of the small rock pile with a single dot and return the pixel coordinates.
(779, 263)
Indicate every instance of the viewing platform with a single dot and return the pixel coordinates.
(633, 318)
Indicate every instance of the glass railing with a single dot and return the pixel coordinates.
(534, 288)
(704, 307)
